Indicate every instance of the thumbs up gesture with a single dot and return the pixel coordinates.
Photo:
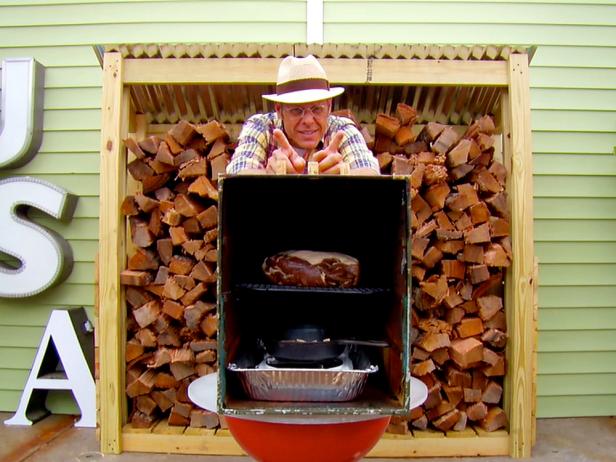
(329, 159)
(285, 155)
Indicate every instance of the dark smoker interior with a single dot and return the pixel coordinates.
(364, 217)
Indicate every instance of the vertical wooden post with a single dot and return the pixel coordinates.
(115, 104)
(504, 121)
(535, 348)
(522, 284)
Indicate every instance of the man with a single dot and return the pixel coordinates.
(302, 128)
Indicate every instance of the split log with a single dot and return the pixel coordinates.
(185, 156)
(469, 327)
(494, 420)
(178, 235)
(133, 350)
(489, 306)
(202, 345)
(193, 168)
(398, 426)
(472, 395)
(142, 385)
(477, 412)
(146, 404)
(494, 337)
(466, 352)
(194, 313)
(219, 167)
(401, 166)
(213, 131)
(134, 147)
(445, 141)
(433, 341)
(150, 144)
(135, 278)
(180, 414)
(183, 132)
(147, 314)
(404, 136)
(140, 232)
(459, 154)
(492, 393)
(204, 188)
(200, 418)
(447, 421)
(209, 325)
(478, 273)
(386, 125)
(165, 157)
(187, 206)
(143, 259)
(406, 114)
(129, 206)
(204, 273)
(163, 400)
(385, 159)
(140, 170)
(140, 420)
(219, 147)
(432, 130)
(209, 217)
(173, 309)
(154, 182)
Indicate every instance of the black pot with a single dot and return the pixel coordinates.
(298, 350)
(308, 343)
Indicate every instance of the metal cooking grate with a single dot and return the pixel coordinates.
(310, 290)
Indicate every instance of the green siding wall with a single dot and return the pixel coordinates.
(573, 99)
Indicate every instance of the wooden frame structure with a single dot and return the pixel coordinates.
(508, 77)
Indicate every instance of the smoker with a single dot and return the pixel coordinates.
(314, 350)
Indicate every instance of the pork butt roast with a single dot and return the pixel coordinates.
(308, 268)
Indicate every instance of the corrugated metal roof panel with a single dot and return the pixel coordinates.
(279, 50)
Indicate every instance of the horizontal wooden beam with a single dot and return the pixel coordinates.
(229, 70)
(436, 72)
(181, 444)
(200, 70)
(400, 446)
(339, 71)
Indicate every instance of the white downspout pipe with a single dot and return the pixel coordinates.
(314, 21)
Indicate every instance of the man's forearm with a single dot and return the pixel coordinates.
(363, 171)
(356, 171)
(252, 171)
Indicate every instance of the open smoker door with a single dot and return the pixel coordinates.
(364, 217)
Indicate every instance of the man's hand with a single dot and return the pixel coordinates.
(286, 155)
(329, 159)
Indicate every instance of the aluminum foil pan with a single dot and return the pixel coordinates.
(273, 384)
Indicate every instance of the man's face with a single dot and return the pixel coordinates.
(304, 124)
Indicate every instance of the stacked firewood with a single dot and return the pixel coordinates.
(170, 280)
(460, 249)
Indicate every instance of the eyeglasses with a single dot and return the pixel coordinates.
(297, 112)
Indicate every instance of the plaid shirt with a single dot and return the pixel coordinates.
(256, 143)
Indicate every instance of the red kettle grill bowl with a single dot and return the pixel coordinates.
(326, 442)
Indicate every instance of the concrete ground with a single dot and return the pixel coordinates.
(54, 439)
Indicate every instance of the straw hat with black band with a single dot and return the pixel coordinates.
(302, 80)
